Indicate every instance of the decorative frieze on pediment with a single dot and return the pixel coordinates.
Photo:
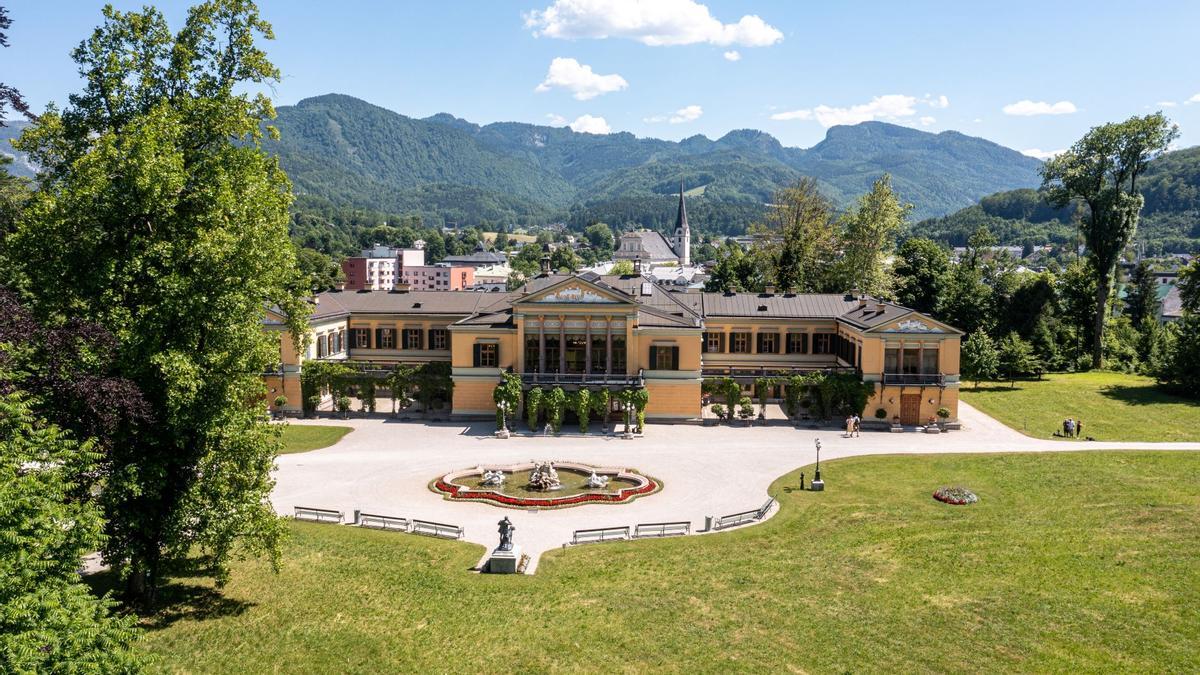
(575, 294)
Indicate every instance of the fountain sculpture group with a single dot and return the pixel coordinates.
(543, 477)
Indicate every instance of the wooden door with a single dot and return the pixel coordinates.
(910, 409)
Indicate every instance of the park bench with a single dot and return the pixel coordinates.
(379, 522)
(744, 517)
(318, 515)
(600, 534)
(433, 529)
(644, 530)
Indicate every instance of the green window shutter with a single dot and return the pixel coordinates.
(476, 358)
(653, 357)
(759, 340)
(674, 358)
(378, 338)
(721, 342)
(704, 343)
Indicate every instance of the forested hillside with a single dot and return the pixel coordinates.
(352, 153)
(1170, 220)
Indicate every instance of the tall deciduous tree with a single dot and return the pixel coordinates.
(921, 269)
(980, 358)
(868, 236)
(49, 620)
(155, 177)
(800, 234)
(1101, 170)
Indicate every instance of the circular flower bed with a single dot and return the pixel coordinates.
(958, 496)
(627, 485)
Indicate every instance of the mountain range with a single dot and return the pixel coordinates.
(349, 152)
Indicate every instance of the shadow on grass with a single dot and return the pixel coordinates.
(1144, 395)
(177, 600)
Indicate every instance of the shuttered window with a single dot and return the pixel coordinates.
(714, 343)
(414, 338)
(768, 343)
(797, 343)
(664, 357)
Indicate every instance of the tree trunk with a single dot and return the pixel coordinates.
(1103, 281)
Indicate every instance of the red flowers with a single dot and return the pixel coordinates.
(466, 494)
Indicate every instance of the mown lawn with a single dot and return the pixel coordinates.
(1113, 407)
(1071, 562)
(297, 438)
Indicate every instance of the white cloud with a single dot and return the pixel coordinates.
(1167, 104)
(733, 55)
(939, 102)
(586, 124)
(890, 107)
(977, 120)
(556, 120)
(654, 23)
(1042, 154)
(1027, 108)
(926, 121)
(1194, 99)
(689, 113)
(579, 78)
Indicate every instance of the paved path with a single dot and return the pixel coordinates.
(385, 466)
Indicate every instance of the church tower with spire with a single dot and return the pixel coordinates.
(681, 240)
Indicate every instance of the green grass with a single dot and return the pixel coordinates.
(1080, 562)
(297, 438)
(1113, 407)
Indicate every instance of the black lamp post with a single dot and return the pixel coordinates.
(817, 484)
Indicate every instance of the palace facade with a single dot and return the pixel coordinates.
(626, 331)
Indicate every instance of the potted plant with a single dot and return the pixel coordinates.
(718, 411)
(746, 409)
(314, 402)
(280, 401)
(943, 414)
(343, 405)
(896, 421)
(880, 414)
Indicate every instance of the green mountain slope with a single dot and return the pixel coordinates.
(1170, 220)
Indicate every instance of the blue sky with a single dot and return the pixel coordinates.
(666, 68)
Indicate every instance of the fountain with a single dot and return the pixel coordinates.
(597, 482)
(493, 478)
(543, 477)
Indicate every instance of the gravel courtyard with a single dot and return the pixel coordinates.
(385, 467)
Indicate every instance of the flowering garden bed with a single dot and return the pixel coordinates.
(626, 485)
(959, 496)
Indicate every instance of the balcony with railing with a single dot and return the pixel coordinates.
(584, 379)
(914, 379)
(772, 371)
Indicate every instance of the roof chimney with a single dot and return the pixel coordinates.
(546, 264)
(769, 289)
(637, 266)
(879, 307)
(862, 301)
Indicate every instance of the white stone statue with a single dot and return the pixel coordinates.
(544, 477)
(493, 478)
(596, 481)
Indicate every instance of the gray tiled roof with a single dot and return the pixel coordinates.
(654, 244)
(777, 305)
(463, 303)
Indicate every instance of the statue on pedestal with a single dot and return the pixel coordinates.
(506, 535)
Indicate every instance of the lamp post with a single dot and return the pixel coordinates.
(502, 432)
(817, 484)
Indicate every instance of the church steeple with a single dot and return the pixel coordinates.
(681, 241)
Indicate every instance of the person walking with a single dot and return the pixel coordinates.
(1070, 427)
(1078, 428)
(849, 427)
(857, 425)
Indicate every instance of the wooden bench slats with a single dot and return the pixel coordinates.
(600, 534)
(316, 515)
(644, 530)
(432, 529)
(380, 522)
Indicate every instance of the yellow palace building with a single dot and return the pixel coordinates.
(595, 331)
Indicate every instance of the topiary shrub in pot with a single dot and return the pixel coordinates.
(313, 402)
(943, 414)
(343, 405)
(718, 411)
(746, 409)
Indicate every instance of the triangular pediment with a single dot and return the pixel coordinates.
(915, 323)
(576, 291)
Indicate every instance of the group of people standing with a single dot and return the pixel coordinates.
(1072, 428)
(853, 426)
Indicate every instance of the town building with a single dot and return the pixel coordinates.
(379, 268)
(652, 248)
(440, 277)
(627, 331)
